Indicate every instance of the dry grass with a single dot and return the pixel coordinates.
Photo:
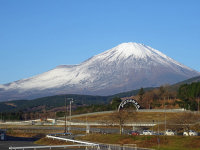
(165, 142)
(46, 141)
(140, 117)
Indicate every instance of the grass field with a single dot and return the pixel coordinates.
(155, 142)
(149, 117)
(139, 116)
(165, 142)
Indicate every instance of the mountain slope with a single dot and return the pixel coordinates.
(125, 67)
(80, 100)
(176, 86)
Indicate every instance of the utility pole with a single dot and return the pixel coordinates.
(158, 138)
(87, 126)
(198, 105)
(1, 117)
(65, 115)
(70, 113)
(165, 114)
(70, 110)
(158, 128)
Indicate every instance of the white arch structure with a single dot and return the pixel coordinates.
(126, 101)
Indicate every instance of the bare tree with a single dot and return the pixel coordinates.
(184, 121)
(123, 116)
(148, 99)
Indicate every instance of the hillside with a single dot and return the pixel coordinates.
(80, 100)
(59, 101)
(175, 87)
(50, 102)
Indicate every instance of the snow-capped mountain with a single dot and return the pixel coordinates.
(125, 67)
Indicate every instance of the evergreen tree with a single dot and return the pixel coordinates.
(141, 94)
(161, 92)
(115, 102)
(189, 93)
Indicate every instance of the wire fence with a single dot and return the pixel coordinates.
(83, 147)
(116, 147)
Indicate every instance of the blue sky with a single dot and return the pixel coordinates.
(38, 35)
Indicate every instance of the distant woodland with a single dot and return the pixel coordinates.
(187, 96)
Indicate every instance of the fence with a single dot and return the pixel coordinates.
(46, 147)
(86, 147)
(94, 146)
(71, 140)
(99, 147)
(116, 147)
(83, 144)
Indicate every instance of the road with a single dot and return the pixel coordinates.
(92, 130)
(22, 142)
(16, 142)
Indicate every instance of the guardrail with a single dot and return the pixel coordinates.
(59, 134)
(88, 147)
(105, 124)
(71, 140)
(41, 147)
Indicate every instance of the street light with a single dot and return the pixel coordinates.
(198, 105)
(165, 115)
(70, 108)
(158, 138)
(70, 111)
(65, 115)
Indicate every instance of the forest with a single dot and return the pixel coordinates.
(187, 96)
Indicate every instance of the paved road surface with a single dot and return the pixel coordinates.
(22, 142)
(17, 142)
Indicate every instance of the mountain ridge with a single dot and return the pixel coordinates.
(125, 67)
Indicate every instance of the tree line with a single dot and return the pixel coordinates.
(187, 96)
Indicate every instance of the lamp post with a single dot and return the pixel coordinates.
(71, 101)
(158, 138)
(70, 111)
(65, 115)
(198, 105)
(165, 114)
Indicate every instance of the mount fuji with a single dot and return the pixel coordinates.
(125, 67)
